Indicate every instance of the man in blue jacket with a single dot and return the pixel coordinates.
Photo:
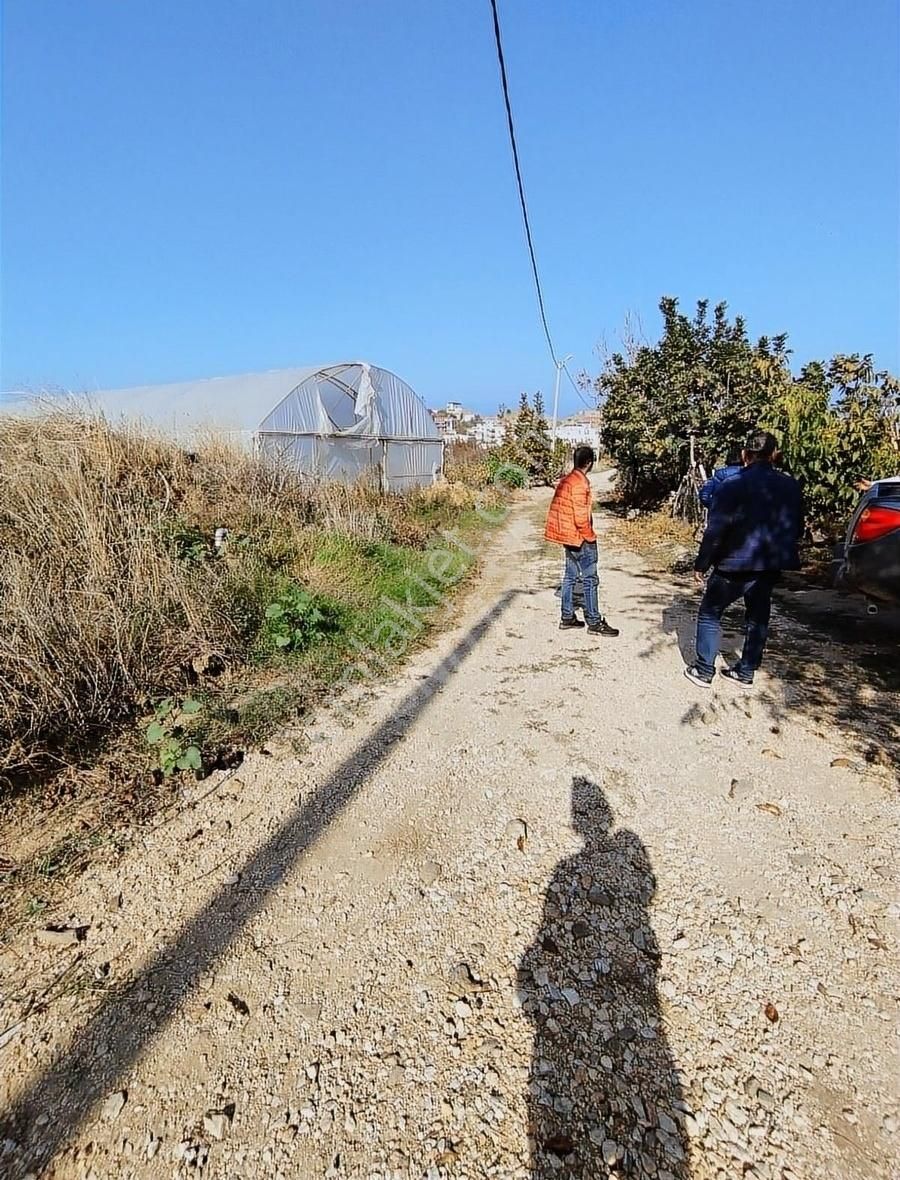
(754, 528)
(732, 466)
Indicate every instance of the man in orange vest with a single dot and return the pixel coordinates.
(570, 524)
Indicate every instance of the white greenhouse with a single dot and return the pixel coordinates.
(343, 422)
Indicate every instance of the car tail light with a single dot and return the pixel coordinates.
(874, 523)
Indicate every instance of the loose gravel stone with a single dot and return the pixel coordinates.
(114, 1105)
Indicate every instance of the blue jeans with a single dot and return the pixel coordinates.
(582, 560)
(721, 591)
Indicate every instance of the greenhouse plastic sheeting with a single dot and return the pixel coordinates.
(365, 420)
(343, 421)
(227, 405)
(409, 465)
(347, 460)
(357, 399)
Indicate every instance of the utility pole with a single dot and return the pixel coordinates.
(560, 365)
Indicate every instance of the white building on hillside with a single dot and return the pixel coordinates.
(458, 410)
(488, 432)
(580, 430)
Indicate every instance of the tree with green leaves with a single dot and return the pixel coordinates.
(538, 444)
(838, 423)
(524, 420)
(700, 379)
(704, 378)
(527, 441)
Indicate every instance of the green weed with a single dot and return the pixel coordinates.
(166, 734)
(186, 541)
(297, 619)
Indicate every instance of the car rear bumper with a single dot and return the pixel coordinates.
(872, 569)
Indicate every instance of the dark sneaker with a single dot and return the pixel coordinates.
(696, 676)
(603, 628)
(567, 624)
(738, 676)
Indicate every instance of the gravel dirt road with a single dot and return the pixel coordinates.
(536, 908)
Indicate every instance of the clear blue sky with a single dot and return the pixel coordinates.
(202, 187)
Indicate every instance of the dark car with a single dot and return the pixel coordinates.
(869, 559)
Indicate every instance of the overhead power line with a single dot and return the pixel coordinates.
(590, 405)
(522, 202)
(524, 205)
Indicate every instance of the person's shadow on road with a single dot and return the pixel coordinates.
(604, 1094)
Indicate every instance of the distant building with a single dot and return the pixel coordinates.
(581, 429)
(446, 425)
(455, 422)
(488, 432)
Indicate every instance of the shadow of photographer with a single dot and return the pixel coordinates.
(605, 1098)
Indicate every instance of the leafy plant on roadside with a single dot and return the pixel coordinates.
(166, 734)
(186, 541)
(297, 619)
(466, 463)
(505, 472)
(702, 378)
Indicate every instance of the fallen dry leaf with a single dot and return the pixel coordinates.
(846, 763)
(517, 829)
(771, 808)
(768, 753)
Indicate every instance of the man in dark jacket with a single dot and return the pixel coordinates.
(732, 466)
(754, 527)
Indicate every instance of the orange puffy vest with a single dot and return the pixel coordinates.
(569, 521)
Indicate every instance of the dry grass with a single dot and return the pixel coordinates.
(93, 606)
(467, 463)
(656, 536)
(665, 543)
(109, 583)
